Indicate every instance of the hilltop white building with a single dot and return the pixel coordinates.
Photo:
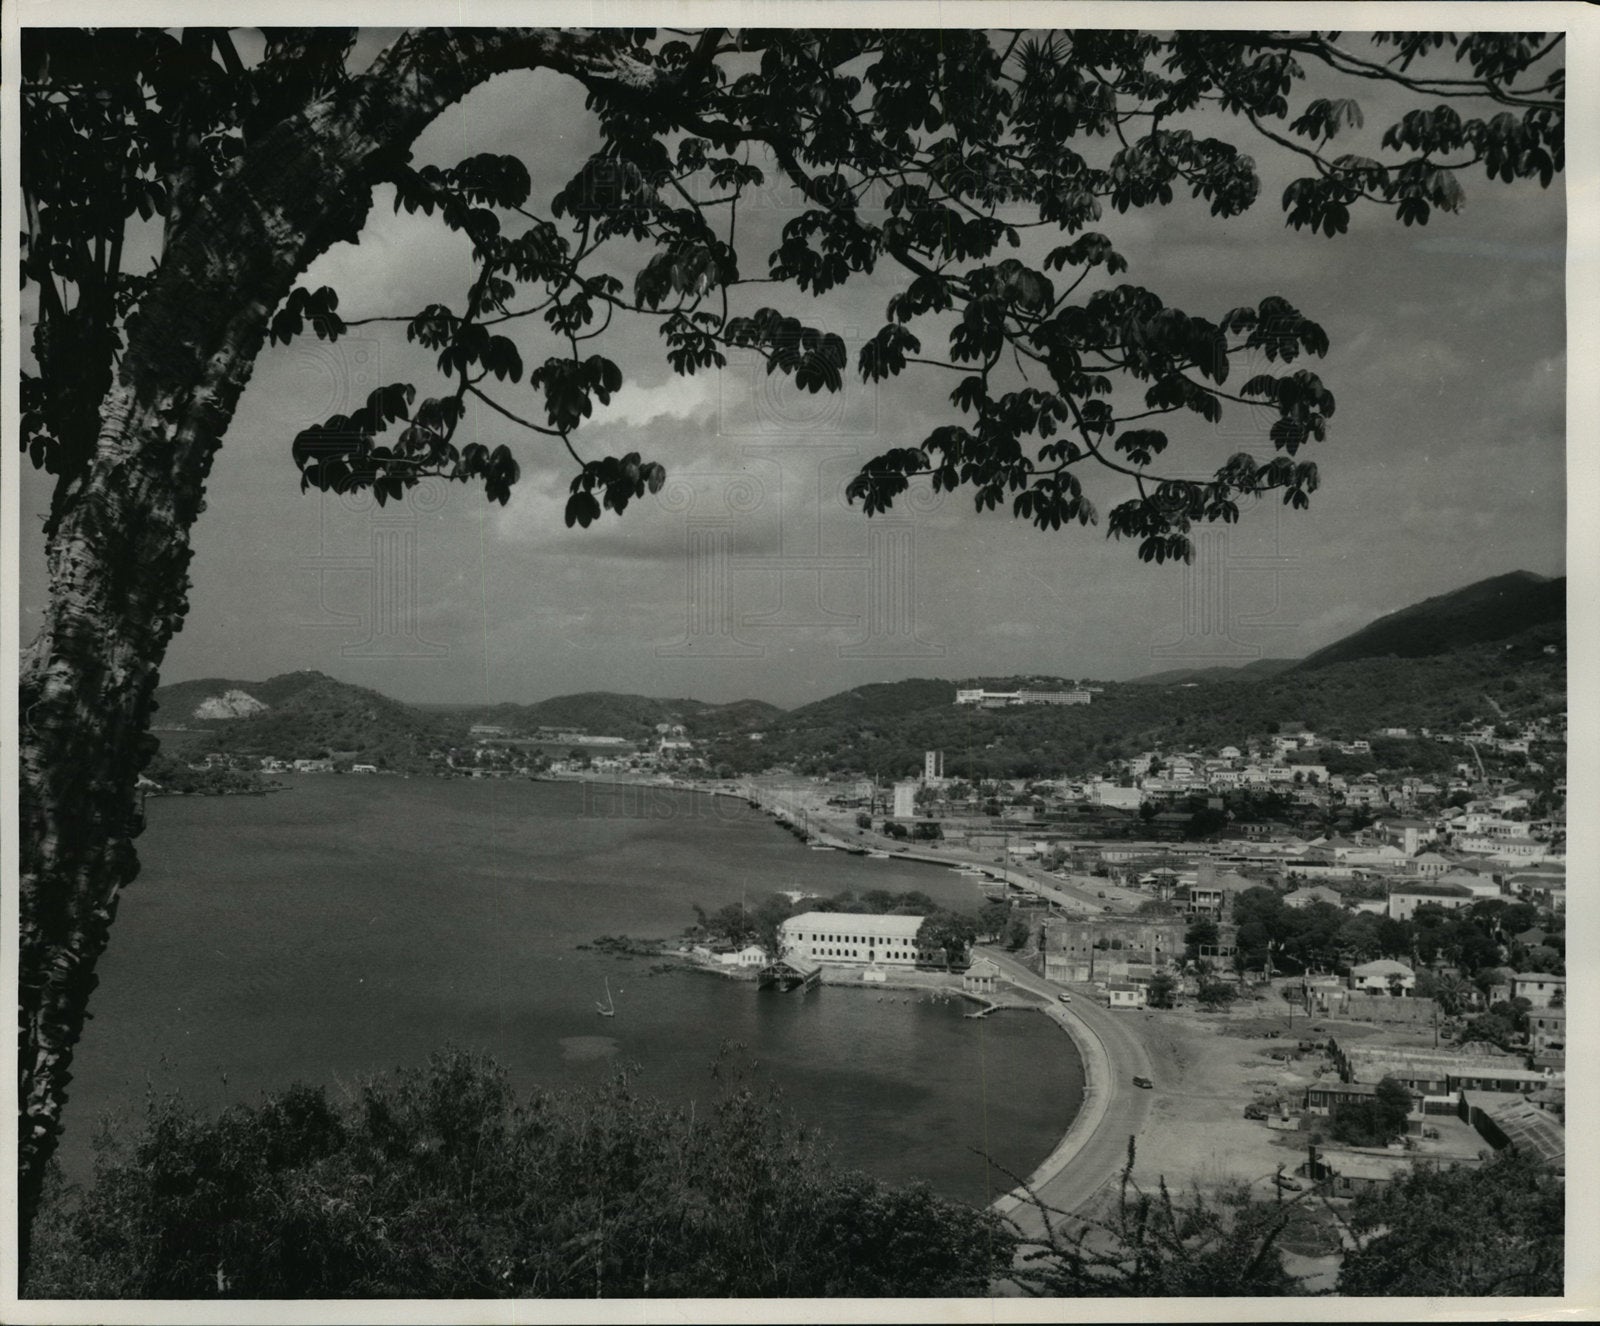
(994, 699)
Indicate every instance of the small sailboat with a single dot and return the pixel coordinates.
(607, 1009)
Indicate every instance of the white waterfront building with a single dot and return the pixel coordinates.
(857, 938)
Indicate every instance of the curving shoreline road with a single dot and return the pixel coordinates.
(1094, 1149)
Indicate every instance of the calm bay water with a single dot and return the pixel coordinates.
(355, 924)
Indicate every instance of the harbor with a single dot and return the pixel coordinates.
(467, 915)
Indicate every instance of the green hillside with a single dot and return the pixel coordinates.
(175, 704)
(885, 729)
(309, 715)
(1261, 667)
(312, 716)
(877, 702)
(1489, 610)
(1437, 664)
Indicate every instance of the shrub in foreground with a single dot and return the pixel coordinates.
(442, 1183)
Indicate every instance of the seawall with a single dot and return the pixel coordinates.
(1097, 1086)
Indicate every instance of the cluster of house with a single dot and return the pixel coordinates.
(1287, 764)
(497, 751)
(269, 764)
(1366, 873)
(1505, 1101)
(494, 750)
(1290, 763)
(1508, 1098)
(1381, 991)
(1126, 950)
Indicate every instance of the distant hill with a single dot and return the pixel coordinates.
(305, 715)
(1488, 610)
(610, 714)
(180, 704)
(1491, 651)
(308, 714)
(884, 729)
(880, 700)
(1261, 667)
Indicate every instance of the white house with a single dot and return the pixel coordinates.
(1479, 886)
(1406, 834)
(1522, 849)
(1124, 995)
(1406, 898)
(1427, 864)
(1316, 893)
(1383, 976)
(1538, 987)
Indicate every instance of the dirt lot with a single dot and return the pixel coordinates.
(1209, 1067)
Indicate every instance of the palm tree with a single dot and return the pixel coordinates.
(1450, 994)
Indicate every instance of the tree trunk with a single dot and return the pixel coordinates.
(119, 554)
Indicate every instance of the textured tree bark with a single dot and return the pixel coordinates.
(119, 554)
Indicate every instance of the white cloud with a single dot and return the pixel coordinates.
(692, 398)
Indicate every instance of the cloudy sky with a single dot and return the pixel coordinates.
(747, 576)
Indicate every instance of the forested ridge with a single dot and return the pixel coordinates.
(884, 728)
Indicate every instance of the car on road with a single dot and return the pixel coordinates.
(1065, 998)
(1254, 1112)
(1144, 1082)
(1285, 1182)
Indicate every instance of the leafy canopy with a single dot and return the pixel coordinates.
(975, 168)
(1498, 1227)
(443, 1182)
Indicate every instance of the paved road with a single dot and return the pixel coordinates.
(837, 828)
(1127, 1108)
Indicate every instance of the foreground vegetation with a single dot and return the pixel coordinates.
(443, 1183)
